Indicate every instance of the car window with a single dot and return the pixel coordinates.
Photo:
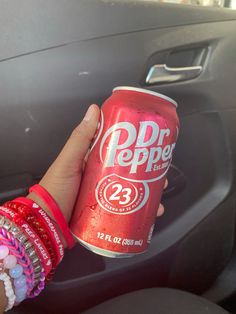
(212, 3)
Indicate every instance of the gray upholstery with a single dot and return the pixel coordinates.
(159, 301)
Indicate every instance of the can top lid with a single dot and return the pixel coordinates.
(146, 91)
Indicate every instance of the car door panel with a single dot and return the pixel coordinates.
(44, 94)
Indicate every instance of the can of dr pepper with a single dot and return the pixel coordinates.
(125, 173)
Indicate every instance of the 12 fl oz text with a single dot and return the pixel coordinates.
(122, 241)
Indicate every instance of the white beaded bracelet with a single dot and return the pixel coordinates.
(8, 290)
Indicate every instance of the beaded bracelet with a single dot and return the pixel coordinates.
(18, 251)
(31, 254)
(13, 246)
(8, 290)
(15, 270)
(31, 235)
(37, 225)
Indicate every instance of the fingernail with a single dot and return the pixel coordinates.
(160, 210)
(89, 113)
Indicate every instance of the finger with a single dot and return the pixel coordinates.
(166, 184)
(74, 151)
(161, 210)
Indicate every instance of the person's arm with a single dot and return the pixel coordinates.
(62, 180)
(3, 298)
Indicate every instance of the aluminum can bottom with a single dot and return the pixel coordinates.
(105, 253)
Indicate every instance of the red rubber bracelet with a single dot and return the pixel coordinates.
(48, 223)
(31, 235)
(56, 212)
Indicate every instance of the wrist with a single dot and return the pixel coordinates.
(3, 297)
(51, 204)
(32, 196)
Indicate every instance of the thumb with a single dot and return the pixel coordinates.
(73, 153)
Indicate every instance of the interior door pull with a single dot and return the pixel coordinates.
(161, 73)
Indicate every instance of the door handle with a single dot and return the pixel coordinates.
(161, 73)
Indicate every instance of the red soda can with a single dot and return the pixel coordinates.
(125, 173)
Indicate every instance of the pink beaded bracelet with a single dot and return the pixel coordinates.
(14, 246)
(15, 271)
(31, 254)
(18, 251)
(30, 234)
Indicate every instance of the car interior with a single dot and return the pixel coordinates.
(56, 58)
